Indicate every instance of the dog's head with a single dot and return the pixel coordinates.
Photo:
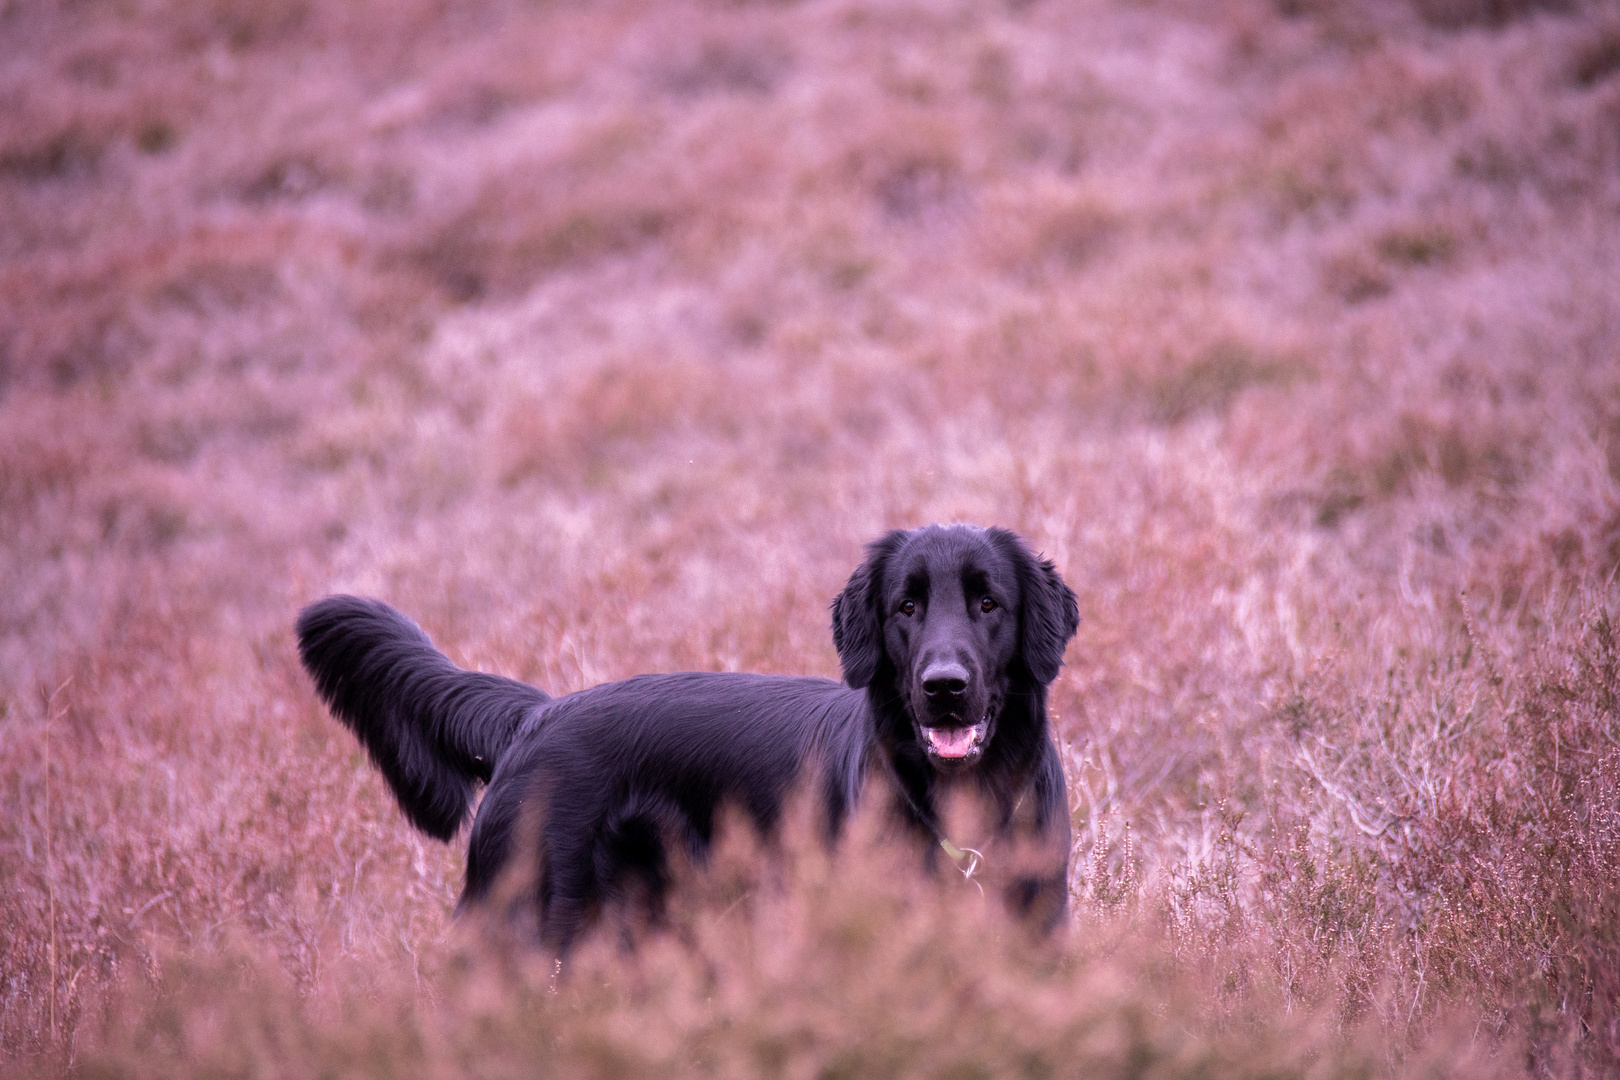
(947, 621)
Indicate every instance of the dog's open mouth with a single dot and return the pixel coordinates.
(956, 742)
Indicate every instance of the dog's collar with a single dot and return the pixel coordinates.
(971, 856)
(968, 860)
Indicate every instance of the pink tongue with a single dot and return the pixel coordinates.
(951, 742)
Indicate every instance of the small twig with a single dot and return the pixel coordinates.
(729, 907)
(50, 865)
(148, 906)
(1492, 676)
(1359, 815)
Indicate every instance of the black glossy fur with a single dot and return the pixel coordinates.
(948, 637)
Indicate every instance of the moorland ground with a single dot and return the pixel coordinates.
(600, 335)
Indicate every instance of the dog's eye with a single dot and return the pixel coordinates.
(987, 605)
(908, 608)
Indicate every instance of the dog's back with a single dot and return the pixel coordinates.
(617, 779)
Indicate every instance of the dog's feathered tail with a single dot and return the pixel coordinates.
(432, 728)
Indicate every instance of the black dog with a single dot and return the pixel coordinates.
(948, 637)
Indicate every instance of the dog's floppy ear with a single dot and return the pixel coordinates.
(1049, 614)
(857, 622)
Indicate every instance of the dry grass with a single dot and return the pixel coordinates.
(599, 336)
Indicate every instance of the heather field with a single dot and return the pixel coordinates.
(599, 335)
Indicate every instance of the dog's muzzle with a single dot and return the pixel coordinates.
(948, 698)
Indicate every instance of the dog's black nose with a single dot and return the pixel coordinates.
(944, 677)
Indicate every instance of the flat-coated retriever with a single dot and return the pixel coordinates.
(948, 637)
